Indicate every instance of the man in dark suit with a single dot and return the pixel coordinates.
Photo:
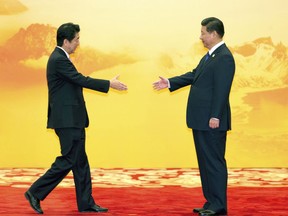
(208, 113)
(67, 115)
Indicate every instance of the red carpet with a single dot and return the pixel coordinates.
(167, 201)
(151, 192)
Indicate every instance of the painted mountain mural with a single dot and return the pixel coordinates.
(11, 7)
(24, 56)
(260, 63)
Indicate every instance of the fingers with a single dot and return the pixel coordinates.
(160, 84)
(156, 85)
(214, 123)
(119, 86)
(122, 87)
(116, 84)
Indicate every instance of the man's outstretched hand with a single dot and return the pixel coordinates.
(116, 84)
(161, 84)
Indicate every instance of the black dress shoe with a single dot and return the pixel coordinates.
(34, 202)
(197, 210)
(208, 212)
(95, 208)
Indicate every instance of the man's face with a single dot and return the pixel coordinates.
(207, 38)
(73, 44)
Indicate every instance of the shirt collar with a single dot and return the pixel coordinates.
(64, 52)
(215, 47)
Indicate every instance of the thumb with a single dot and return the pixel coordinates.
(116, 77)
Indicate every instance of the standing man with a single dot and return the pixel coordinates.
(67, 115)
(208, 113)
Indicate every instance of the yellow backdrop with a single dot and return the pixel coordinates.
(141, 40)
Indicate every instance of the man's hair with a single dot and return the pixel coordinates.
(214, 24)
(67, 31)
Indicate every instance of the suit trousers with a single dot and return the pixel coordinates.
(210, 149)
(73, 157)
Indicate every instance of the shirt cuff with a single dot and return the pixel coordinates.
(169, 86)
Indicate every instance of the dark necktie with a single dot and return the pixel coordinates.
(202, 64)
(207, 57)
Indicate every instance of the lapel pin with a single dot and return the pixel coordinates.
(213, 55)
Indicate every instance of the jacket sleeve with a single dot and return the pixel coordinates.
(181, 81)
(68, 72)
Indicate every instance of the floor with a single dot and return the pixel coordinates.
(151, 192)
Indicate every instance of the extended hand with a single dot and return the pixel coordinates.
(161, 84)
(116, 84)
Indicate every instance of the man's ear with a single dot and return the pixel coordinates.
(215, 34)
(65, 42)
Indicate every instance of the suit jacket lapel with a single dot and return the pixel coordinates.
(199, 68)
(204, 63)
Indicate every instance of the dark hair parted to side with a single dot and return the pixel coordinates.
(214, 24)
(67, 31)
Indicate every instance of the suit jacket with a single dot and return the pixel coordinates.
(210, 88)
(66, 105)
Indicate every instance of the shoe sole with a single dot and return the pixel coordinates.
(198, 210)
